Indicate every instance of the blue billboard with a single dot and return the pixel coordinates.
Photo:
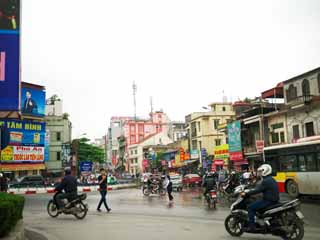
(234, 136)
(85, 166)
(9, 55)
(33, 102)
(25, 133)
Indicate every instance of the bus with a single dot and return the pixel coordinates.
(296, 167)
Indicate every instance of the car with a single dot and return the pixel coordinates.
(192, 180)
(28, 181)
(176, 180)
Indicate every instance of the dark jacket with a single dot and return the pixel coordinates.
(68, 184)
(269, 188)
(209, 181)
(30, 106)
(103, 184)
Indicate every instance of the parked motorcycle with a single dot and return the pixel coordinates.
(75, 207)
(283, 219)
(211, 198)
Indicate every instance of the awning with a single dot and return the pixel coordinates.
(239, 163)
(276, 92)
(22, 167)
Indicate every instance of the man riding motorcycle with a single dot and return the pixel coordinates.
(269, 188)
(209, 182)
(69, 186)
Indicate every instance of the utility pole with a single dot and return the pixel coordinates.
(134, 88)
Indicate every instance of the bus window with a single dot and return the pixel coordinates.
(318, 161)
(307, 163)
(302, 164)
(288, 163)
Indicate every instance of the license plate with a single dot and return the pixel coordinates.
(213, 195)
(299, 214)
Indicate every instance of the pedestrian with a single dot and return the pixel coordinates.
(168, 185)
(102, 180)
(3, 183)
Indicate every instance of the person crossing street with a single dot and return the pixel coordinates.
(102, 179)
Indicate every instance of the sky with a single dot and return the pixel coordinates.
(183, 53)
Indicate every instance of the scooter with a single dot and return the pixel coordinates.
(283, 219)
(211, 198)
(153, 188)
(74, 207)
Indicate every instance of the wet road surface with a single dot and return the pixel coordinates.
(135, 216)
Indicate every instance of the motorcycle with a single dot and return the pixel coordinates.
(282, 219)
(211, 198)
(153, 188)
(75, 207)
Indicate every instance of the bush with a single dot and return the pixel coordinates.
(11, 210)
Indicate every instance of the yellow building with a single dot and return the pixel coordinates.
(203, 127)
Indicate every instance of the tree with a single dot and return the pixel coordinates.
(65, 116)
(89, 152)
(54, 98)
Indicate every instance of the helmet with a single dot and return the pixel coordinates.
(67, 170)
(1, 175)
(233, 173)
(265, 170)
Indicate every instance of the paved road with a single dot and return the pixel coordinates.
(134, 216)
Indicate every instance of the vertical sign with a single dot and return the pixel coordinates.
(234, 138)
(9, 55)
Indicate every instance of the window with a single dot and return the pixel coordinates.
(277, 126)
(132, 128)
(309, 129)
(136, 160)
(305, 87)
(307, 163)
(194, 145)
(288, 163)
(199, 127)
(132, 139)
(193, 129)
(291, 93)
(216, 123)
(282, 137)
(275, 137)
(140, 138)
(58, 136)
(218, 142)
(135, 151)
(58, 156)
(141, 129)
(296, 133)
(224, 109)
(131, 152)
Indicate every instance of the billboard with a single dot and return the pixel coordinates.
(9, 55)
(234, 140)
(85, 168)
(25, 133)
(22, 154)
(33, 102)
(222, 153)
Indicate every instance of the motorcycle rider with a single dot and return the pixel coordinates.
(209, 182)
(69, 186)
(269, 188)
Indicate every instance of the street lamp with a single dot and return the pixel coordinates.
(205, 108)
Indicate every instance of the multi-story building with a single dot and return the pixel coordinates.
(59, 128)
(177, 130)
(203, 127)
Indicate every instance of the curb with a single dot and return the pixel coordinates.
(32, 191)
(35, 234)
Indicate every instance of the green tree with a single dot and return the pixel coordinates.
(89, 152)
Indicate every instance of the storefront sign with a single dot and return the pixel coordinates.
(194, 154)
(234, 140)
(22, 154)
(236, 156)
(260, 146)
(222, 153)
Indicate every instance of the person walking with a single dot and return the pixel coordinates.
(168, 185)
(102, 180)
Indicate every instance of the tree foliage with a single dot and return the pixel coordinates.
(89, 152)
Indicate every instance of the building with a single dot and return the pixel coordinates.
(177, 130)
(59, 128)
(203, 128)
(136, 152)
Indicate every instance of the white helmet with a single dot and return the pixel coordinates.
(1, 175)
(265, 170)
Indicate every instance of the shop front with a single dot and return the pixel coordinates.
(22, 169)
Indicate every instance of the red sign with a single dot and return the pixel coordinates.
(145, 163)
(259, 146)
(236, 156)
(218, 162)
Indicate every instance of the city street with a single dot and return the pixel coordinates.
(134, 216)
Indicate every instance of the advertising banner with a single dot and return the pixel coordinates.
(47, 146)
(9, 55)
(25, 133)
(234, 140)
(85, 166)
(33, 102)
(194, 154)
(22, 154)
(222, 153)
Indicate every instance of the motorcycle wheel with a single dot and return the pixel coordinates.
(52, 209)
(146, 192)
(83, 210)
(162, 192)
(296, 230)
(233, 226)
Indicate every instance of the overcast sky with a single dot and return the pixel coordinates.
(183, 53)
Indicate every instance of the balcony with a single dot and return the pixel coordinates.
(300, 100)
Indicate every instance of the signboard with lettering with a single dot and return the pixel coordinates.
(234, 140)
(22, 154)
(222, 153)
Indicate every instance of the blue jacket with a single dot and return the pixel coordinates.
(269, 188)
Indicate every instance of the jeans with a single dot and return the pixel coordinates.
(256, 206)
(61, 196)
(169, 190)
(103, 199)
